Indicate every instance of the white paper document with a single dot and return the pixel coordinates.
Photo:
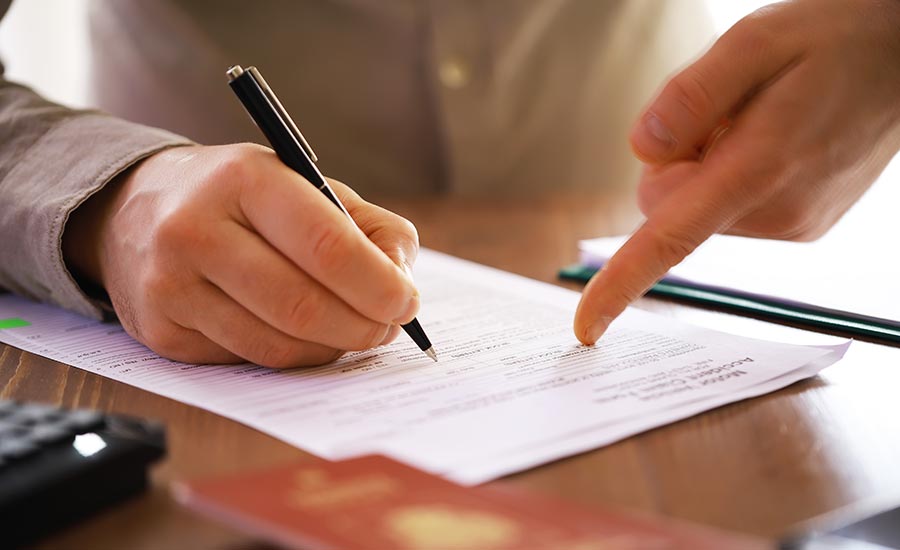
(825, 273)
(513, 388)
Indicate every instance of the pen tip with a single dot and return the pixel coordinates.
(430, 353)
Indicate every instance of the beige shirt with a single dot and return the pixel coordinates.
(395, 96)
(409, 96)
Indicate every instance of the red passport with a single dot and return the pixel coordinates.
(373, 502)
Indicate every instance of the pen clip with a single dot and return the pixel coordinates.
(285, 117)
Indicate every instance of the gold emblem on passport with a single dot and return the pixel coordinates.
(315, 489)
(449, 528)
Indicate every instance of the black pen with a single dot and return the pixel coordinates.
(769, 308)
(291, 147)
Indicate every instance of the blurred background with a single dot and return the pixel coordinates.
(44, 43)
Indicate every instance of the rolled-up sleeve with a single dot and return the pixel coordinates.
(52, 159)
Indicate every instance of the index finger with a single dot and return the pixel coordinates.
(393, 234)
(299, 221)
(722, 191)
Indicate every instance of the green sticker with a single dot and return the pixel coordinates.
(13, 322)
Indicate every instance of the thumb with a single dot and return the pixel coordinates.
(696, 102)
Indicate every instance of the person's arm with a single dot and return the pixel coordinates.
(775, 133)
(222, 254)
(52, 159)
(208, 254)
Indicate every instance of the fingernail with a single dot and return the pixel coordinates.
(412, 307)
(654, 141)
(595, 331)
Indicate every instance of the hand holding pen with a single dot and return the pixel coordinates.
(224, 255)
(292, 148)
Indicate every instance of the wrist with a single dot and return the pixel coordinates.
(82, 241)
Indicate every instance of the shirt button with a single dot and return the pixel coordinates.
(453, 73)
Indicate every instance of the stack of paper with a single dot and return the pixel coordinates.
(824, 273)
(513, 388)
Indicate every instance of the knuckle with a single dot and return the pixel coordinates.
(237, 168)
(179, 232)
(673, 244)
(748, 189)
(158, 282)
(322, 357)
(384, 225)
(608, 295)
(648, 196)
(690, 92)
(763, 174)
(235, 160)
(372, 337)
(392, 301)
(408, 230)
(330, 247)
(392, 332)
(169, 230)
(164, 339)
(674, 250)
(332, 356)
(285, 357)
(232, 166)
(624, 294)
(273, 355)
(345, 192)
(399, 238)
(794, 222)
(300, 311)
(754, 33)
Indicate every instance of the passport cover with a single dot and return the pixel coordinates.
(373, 502)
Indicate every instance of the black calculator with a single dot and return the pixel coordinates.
(60, 465)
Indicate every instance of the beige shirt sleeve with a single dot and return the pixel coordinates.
(52, 159)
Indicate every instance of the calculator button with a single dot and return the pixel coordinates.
(10, 429)
(32, 413)
(7, 407)
(16, 448)
(82, 420)
(49, 433)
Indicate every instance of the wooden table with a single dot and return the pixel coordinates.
(758, 466)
